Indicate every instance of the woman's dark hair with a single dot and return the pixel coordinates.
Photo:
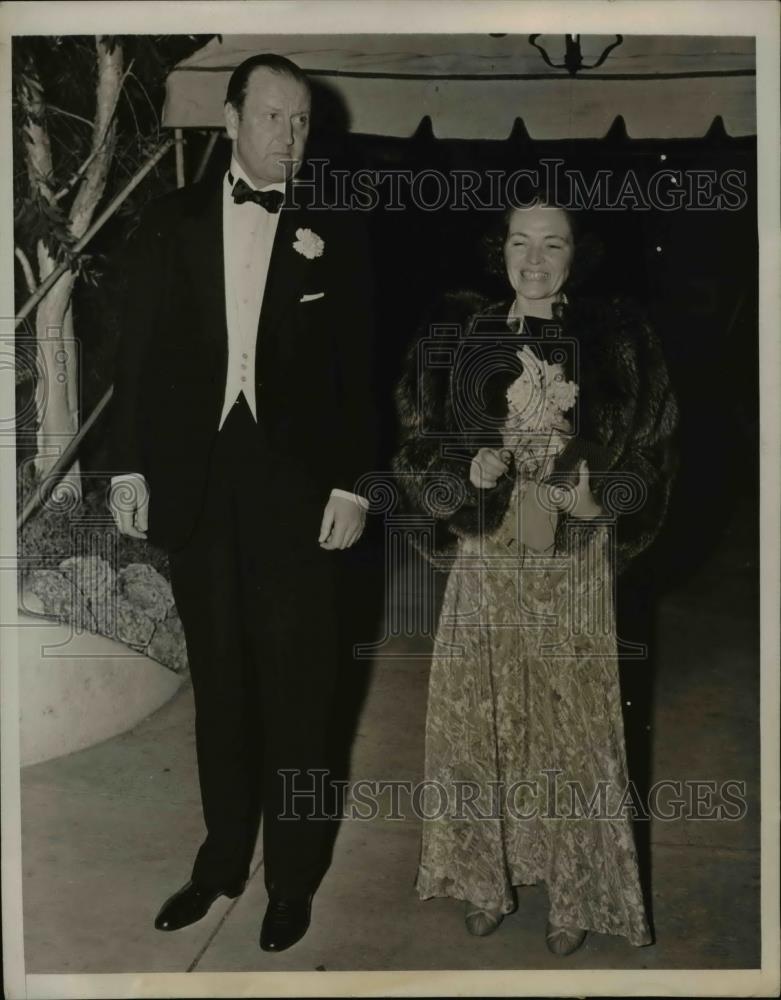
(588, 249)
(237, 85)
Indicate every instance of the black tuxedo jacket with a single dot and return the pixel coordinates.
(314, 373)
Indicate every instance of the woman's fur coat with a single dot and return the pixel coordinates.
(452, 401)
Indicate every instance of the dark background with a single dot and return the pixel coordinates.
(700, 292)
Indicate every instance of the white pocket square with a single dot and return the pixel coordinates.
(310, 298)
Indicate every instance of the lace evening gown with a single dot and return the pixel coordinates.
(524, 688)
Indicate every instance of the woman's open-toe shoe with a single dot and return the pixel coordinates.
(480, 921)
(563, 940)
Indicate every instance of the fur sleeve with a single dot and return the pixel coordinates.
(431, 465)
(650, 454)
(633, 420)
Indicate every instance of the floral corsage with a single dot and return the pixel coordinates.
(537, 401)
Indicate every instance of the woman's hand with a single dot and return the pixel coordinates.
(487, 467)
(585, 505)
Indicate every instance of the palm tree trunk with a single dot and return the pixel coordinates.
(57, 396)
(58, 388)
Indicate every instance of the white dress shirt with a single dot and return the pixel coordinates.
(248, 232)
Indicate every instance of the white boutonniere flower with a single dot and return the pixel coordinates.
(309, 244)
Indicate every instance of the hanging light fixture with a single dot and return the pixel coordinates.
(573, 57)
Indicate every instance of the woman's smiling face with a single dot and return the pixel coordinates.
(538, 252)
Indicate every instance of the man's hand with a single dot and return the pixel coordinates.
(343, 523)
(487, 467)
(129, 504)
(585, 505)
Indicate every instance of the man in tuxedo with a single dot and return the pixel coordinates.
(242, 421)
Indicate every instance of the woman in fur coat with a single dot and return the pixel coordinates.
(536, 435)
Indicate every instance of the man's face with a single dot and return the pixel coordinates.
(538, 251)
(273, 126)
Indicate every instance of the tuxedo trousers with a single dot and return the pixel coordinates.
(257, 599)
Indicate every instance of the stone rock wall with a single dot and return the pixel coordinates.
(134, 606)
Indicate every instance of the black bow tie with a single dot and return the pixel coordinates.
(270, 200)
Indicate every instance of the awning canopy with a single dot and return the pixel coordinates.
(475, 86)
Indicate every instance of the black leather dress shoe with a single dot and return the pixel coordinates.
(286, 921)
(190, 904)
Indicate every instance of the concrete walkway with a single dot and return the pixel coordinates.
(109, 832)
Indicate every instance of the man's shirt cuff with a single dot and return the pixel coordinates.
(127, 477)
(361, 501)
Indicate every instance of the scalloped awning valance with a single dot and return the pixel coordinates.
(475, 86)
